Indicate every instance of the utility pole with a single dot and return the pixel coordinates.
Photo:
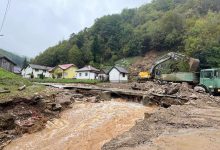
(1, 35)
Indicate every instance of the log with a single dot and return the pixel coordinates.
(5, 91)
(22, 88)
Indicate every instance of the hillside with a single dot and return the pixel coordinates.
(188, 26)
(15, 58)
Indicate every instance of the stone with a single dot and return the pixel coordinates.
(77, 96)
(57, 107)
(199, 89)
(193, 96)
(105, 95)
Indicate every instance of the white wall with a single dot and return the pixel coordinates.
(26, 73)
(90, 75)
(116, 76)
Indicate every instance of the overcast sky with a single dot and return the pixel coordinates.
(33, 25)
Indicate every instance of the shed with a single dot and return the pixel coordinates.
(87, 72)
(118, 74)
(6, 63)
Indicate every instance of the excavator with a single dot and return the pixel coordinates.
(155, 73)
(208, 79)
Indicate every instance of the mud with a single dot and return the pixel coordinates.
(182, 123)
(86, 126)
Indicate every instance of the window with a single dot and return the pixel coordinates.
(44, 71)
(65, 74)
(86, 74)
(36, 70)
(123, 74)
(207, 74)
(217, 73)
(80, 74)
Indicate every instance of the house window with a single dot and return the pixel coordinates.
(65, 74)
(80, 74)
(123, 74)
(44, 71)
(86, 74)
(36, 70)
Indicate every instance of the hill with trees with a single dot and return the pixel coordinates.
(15, 58)
(188, 26)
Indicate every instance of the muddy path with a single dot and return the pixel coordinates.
(87, 126)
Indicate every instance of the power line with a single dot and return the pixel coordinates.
(5, 14)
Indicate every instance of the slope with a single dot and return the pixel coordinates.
(15, 58)
(162, 25)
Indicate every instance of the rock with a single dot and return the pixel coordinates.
(199, 89)
(93, 99)
(57, 107)
(194, 96)
(7, 121)
(77, 96)
(106, 96)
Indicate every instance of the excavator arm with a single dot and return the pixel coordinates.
(193, 63)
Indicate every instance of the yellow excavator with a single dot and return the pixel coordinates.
(147, 75)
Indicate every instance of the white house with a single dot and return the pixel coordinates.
(87, 72)
(118, 74)
(35, 71)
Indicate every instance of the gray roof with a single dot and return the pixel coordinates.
(39, 67)
(88, 68)
(120, 69)
(1, 56)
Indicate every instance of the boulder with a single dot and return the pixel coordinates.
(199, 89)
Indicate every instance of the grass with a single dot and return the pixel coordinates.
(12, 82)
(49, 80)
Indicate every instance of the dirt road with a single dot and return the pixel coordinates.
(86, 126)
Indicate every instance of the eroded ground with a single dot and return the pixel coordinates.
(86, 126)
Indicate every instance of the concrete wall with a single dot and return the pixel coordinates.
(116, 76)
(86, 75)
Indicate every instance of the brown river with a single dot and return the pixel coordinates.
(86, 126)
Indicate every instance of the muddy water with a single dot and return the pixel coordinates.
(86, 126)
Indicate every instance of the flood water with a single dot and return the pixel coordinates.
(86, 126)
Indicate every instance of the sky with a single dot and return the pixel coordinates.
(32, 26)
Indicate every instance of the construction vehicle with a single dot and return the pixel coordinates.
(154, 72)
(209, 79)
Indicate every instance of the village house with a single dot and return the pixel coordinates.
(103, 75)
(87, 72)
(118, 74)
(36, 71)
(6, 63)
(65, 71)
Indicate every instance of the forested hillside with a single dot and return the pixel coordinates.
(15, 58)
(188, 26)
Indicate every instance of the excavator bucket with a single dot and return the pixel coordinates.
(193, 65)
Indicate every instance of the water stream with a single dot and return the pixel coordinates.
(86, 126)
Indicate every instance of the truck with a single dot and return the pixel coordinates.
(209, 79)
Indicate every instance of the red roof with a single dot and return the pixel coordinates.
(66, 66)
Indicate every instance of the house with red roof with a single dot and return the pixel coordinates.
(65, 71)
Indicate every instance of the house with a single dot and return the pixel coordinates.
(65, 71)
(36, 71)
(103, 75)
(6, 63)
(118, 74)
(87, 72)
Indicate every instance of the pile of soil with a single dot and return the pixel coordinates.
(201, 111)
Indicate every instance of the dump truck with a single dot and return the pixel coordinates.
(209, 79)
